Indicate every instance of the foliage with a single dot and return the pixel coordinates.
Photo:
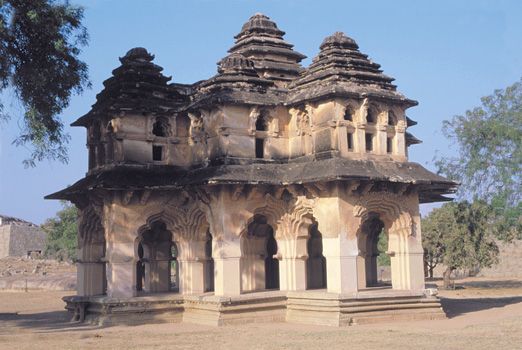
(382, 246)
(460, 235)
(40, 43)
(62, 233)
(489, 160)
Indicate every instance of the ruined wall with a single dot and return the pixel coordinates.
(18, 240)
(5, 236)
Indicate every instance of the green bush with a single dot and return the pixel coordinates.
(62, 234)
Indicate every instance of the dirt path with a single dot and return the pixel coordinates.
(481, 318)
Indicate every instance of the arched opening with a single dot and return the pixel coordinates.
(140, 269)
(259, 265)
(392, 118)
(155, 251)
(373, 244)
(271, 262)
(371, 116)
(348, 114)
(261, 123)
(260, 148)
(174, 268)
(316, 263)
(209, 264)
(160, 127)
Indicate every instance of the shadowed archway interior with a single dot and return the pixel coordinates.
(316, 262)
(368, 242)
(157, 268)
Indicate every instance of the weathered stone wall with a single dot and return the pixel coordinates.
(18, 240)
(4, 240)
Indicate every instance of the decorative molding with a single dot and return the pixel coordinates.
(90, 228)
(392, 209)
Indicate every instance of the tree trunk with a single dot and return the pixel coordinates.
(446, 277)
(431, 272)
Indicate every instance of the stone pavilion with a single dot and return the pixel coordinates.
(258, 194)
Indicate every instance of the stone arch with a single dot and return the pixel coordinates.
(350, 111)
(291, 216)
(156, 242)
(367, 241)
(259, 267)
(187, 221)
(372, 114)
(399, 227)
(161, 127)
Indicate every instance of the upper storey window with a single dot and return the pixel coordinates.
(392, 118)
(160, 127)
(261, 124)
(371, 117)
(348, 115)
(369, 142)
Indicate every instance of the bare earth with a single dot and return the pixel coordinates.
(483, 315)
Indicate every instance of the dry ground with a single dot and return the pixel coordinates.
(18, 273)
(483, 315)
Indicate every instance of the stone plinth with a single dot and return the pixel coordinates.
(308, 307)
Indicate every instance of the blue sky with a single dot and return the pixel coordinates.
(445, 54)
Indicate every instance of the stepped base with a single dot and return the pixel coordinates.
(361, 308)
(307, 307)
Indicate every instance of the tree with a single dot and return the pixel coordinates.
(62, 233)
(382, 246)
(460, 235)
(489, 159)
(40, 42)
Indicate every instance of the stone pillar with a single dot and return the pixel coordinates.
(292, 264)
(192, 268)
(227, 266)
(121, 268)
(90, 271)
(339, 250)
(342, 137)
(400, 139)
(341, 264)
(253, 264)
(359, 138)
(381, 137)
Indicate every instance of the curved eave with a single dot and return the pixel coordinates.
(327, 170)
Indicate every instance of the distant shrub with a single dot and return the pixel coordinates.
(62, 234)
